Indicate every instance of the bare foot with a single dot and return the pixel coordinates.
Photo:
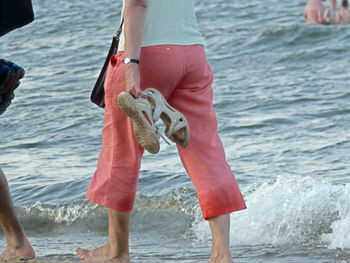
(216, 258)
(228, 260)
(102, 255)
(20, 252)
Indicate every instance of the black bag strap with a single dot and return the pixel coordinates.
(118, 33)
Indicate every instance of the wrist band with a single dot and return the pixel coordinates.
(131, 60)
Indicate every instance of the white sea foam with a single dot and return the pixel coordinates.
(65, 214)
(291, 210)
(340, 236)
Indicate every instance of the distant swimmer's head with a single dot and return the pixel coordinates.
(345, 3)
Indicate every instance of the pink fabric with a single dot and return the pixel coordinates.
(184, 77)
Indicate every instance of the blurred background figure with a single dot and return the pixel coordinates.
(343, 15)
(330, 14)
(314, 12)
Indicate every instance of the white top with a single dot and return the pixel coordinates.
(171, 22)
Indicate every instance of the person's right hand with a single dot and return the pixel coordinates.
(132, 79)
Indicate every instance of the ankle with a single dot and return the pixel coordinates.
(221, 260)
(20, 247)
(16, 241)
(220, 256)
(116, 251)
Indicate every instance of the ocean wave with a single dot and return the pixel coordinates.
(299, 37)
(172, 212)
(292, 210)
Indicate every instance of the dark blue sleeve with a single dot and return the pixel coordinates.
(15, 14)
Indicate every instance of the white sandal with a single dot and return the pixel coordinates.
(141, 114)
(176, 126)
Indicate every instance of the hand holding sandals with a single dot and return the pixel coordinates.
(144, 113)
(132, 75)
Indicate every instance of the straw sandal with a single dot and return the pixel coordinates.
(144, 113)
(176, 126)
(140, 112)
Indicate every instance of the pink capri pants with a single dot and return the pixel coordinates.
(184, 77)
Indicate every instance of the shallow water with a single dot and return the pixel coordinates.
(283, 104)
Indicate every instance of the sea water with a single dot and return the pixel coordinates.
(282, 98)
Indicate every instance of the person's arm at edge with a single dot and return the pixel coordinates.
(338, 17)
(323, 19)
(134, 21)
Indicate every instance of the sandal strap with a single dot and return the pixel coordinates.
(174, 127)
(156, 113)
(176, 121)
(164, 138)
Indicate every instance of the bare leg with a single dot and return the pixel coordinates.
(17, 243)
(117, 248)
(220, 229)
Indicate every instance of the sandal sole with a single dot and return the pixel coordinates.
(143, 133)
